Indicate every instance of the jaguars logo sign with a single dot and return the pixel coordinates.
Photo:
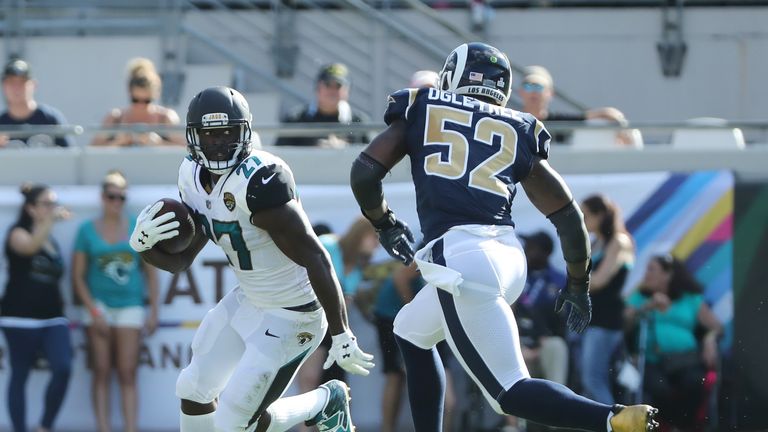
(304, 337)
(229, 201)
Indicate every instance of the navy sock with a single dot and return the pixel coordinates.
(426, 385)
(554, 404)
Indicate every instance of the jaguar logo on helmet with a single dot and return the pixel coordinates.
(479, 70)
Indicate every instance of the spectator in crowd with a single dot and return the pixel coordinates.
(32, 309)
(423, 79)
(112, 282)
(22, 109)
(670, 302)
(549, 358)
(321, 228)
(144, 89)
(331, 105)
(350, 254)
(613, 255)
(542, 330)
(537, 91)
(392, 295)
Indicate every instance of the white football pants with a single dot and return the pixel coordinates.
(247, 357)
(473, 274)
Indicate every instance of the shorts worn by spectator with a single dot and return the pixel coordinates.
(144, 88)
(537, 91)
(112, 281)
(22, 109)
(330, 106)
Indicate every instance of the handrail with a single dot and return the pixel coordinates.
(237, 59)
(468, 36)
(430, 48)
(313, 129)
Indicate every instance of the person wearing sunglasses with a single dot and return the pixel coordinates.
(537, 90)
(144, 89)
(32, 309)
(113, 283)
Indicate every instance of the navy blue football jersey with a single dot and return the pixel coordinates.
(466, 156)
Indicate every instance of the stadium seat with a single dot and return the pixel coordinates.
(707, 138)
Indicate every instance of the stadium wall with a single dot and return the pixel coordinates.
(690, 214)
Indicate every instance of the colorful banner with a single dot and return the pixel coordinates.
(689, 215)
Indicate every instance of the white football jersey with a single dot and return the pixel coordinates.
(266, 275)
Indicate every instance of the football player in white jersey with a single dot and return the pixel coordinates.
(248, 347)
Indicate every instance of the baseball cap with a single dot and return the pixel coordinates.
(334, 72)
(540, 238)
(16, 68)
(538, 75)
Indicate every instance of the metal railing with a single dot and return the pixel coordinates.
(314, 129)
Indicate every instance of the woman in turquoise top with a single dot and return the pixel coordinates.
(350, 255)
(670, 299)
(110, 279)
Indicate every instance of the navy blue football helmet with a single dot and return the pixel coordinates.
(478, 70)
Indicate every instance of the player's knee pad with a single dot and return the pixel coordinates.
(214, 322)
(188, 386)
(230, 417)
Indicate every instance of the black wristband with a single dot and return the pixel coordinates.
(384, 222)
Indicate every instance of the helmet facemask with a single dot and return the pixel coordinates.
(219, 148)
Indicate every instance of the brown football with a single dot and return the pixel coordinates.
(186, 227)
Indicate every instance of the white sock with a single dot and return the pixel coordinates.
(196, 423)
(290, 411)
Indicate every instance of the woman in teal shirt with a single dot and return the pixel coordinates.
(349, 254)
(110, 279)
(673, 306)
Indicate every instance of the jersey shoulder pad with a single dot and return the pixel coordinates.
(271, 186)
(537, 136)
(400, 102)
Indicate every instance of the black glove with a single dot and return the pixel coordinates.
(576, 294)
(395, 236)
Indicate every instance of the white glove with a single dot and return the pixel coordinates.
(348, 355)
(149, 231)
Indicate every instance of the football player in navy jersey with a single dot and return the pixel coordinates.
(248, 348)
(467, 153)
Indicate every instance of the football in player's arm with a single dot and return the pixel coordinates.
(275, 208)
